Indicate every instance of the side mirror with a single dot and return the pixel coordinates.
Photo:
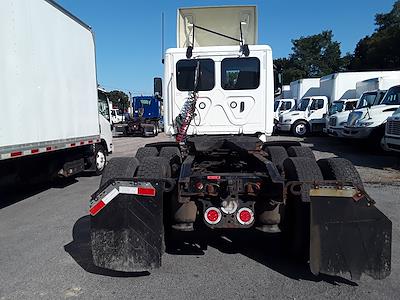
(277, 81)
(158, 87)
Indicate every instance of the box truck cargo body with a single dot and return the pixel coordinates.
(49, 100)
(304, 88)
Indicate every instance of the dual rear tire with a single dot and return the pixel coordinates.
(299, 164)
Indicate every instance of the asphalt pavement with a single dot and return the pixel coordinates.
(45, 251)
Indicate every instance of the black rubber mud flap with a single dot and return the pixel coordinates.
(127, 225)
(349, 235)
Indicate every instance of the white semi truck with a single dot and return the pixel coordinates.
(338, 89)
(369, 92)
(218, 177)
(49, 98)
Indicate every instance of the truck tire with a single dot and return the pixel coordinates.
(143, 152)
(100, 159)
(300, 129)
(174, 157)
(277, 155)
(154, 167)
(155, 129)
(297, 212)
(299, 151)
(341, 169)
(119, 167)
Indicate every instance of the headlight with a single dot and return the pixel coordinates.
(288, 120)
(364, 124)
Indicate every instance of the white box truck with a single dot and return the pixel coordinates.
(304, 87)
(335, 89)
(219, 178)
(369, 92)
(49, 97)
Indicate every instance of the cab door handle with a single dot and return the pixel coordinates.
(242, 106)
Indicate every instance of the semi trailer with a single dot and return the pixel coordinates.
(55, 120)
(219, 175)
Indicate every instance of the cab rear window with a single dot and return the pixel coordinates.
(185, 72)
(240, 73)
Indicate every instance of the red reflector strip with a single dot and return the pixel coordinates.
(17, 153)
(73, 145)
(33, 151)
(96, 208)
(146, 191)
(82, 143)
(48, 148)
(90, 142)
(213, 177)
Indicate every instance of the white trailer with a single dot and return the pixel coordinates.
(303, 88)
(50, 102)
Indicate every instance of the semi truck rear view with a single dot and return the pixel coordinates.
(50, 102)
(221, 174)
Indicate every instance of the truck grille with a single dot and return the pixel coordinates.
(393, 127)
(332, 121)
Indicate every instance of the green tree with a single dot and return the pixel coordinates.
(119, 99)
(381, 50)
(312, 56)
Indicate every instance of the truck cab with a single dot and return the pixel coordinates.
(232, 93)
(116, 116)
(307, 116)
(282, 106)
(105, 118)
(369, 122)
(391, 140)
(337, 116)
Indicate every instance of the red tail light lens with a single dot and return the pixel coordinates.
(212, 215)
(245, 216)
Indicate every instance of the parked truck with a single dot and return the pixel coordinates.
(219, 177)
(369, 92)
(391, 140)
(337, 90)
(304, 88)
(146, 117)
(50, 102)
(369, 123)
